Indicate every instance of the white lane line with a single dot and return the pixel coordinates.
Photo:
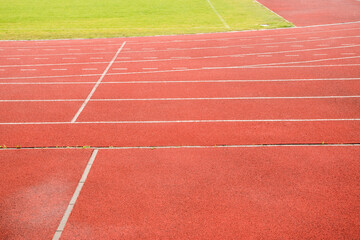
(320, 54)
(149, 68)
(22, 49)
(97, 84)
(73, 49)
(264, 55)
(296, 45)
(188, 121)
(72, 202)
(96, 58)
(89, 69)
(242, 45)
(99, 49)
(323, 45)
(27, 69)
(271, 46)
(267, 39)
(150, 57)
(49, 49)
(219, 16)
(265, 65)
(187, 81)
(222, 98)
(291, 38)
(41, 58)
(181, 99)
(348, 53)
(148, 49)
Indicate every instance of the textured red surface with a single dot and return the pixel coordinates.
(36, 187)
(309, 12)
(180, 134)
(220, 193)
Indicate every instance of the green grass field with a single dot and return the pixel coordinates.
(50, 19)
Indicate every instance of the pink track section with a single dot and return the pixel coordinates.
(309, 12)
(238, 90)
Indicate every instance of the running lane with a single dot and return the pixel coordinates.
(309, 12)
(304, 192)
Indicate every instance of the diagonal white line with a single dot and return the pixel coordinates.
(97, 84)
(72, 202)
(219, 16)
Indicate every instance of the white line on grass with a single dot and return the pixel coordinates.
(97, 84)
(72, 202)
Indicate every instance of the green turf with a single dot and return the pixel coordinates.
(49, 19)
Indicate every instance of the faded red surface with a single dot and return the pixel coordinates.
(36, 187)
(310, 12)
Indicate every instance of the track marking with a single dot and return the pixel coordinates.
(97, 84)
(348, 53)
(320, 54)
(184, 81)
(13, 58)
(72, 202)
(149, 68)
(244, 46)
(89, 69)
(41, 58)
(219, 16)
(27, 69)
(187, 121)
(181, 99)
(96, 58)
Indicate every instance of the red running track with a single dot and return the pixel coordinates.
(281, 88)
(308, 12)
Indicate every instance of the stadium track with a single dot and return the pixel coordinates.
(242, 134)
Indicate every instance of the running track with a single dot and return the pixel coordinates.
(269, 122)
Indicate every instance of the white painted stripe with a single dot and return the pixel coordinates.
(187, 121)
(97, 84)
(181, 99)
(180, 68)
(348, 53)
(96, 58)
(219, 16)
(49, 49)
(27, 69)
(184, 81)
(150, 57)
(13, 58)
(149, 68)
(72, 202)
(74, 49)
(248, 45)
(320, 54)
(89, 69)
